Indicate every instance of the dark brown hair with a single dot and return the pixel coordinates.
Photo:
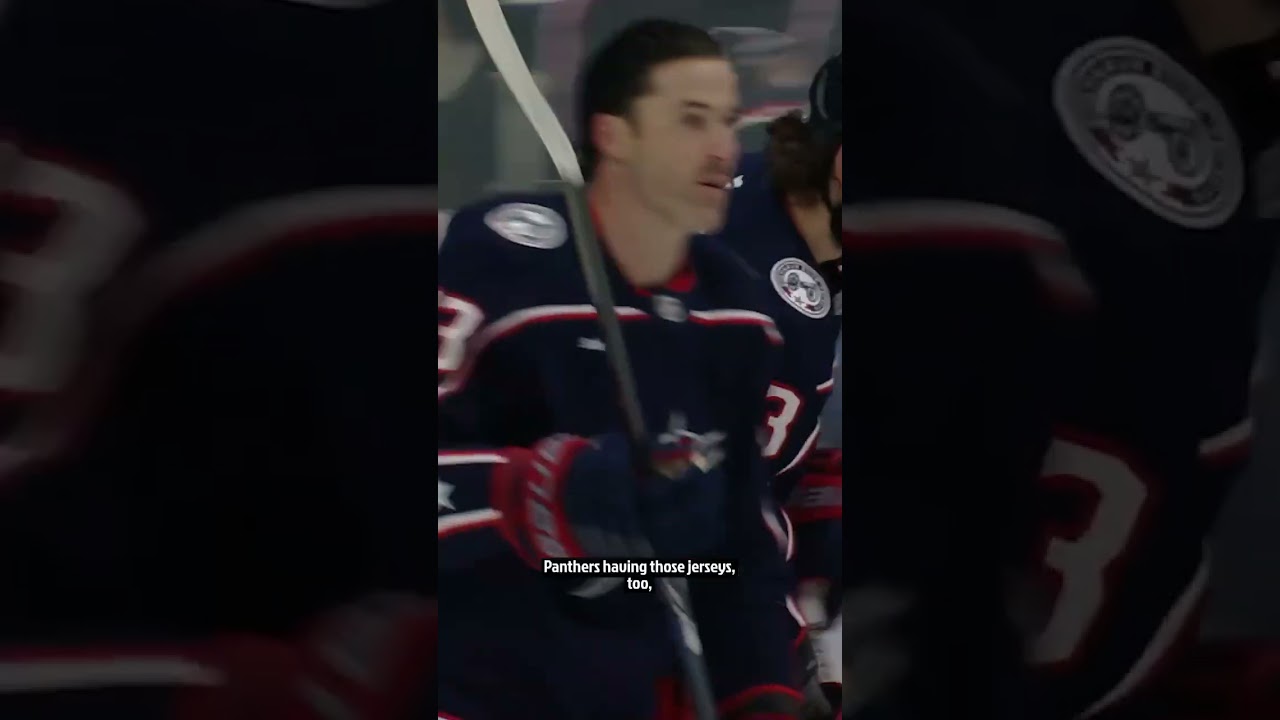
(799, 160)
(619, 72)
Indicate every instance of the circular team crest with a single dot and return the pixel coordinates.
(1153, 129)
(801, 286)
(527, 224)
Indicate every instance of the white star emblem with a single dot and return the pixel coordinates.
(705, 451)
(443, 491)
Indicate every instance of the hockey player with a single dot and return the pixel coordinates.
(784, 220)
(534, 464)
(1097, 156)
(215, 222)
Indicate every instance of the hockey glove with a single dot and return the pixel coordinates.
(367, 661)
(373, 660)
(570, 497)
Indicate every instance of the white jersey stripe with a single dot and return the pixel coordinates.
(927, 215)
(513, 322)
(46, 675)
(465, 521)
(804, 449)
(1234, 438)
(469, 458)
(956, 221)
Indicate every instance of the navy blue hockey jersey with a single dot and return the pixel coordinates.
(188, 269)
(521, 358)
(1098, 130)
(213, 241)
(802, 303)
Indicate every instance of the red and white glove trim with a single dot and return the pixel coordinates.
(528, 492)
(820, 493)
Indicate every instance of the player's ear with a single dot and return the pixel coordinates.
(612, 136)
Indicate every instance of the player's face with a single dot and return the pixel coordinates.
(685, 141)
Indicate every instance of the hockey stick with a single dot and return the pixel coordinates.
(494, 32)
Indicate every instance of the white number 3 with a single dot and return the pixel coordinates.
(84, 227)
(1081, 562)
(784, 407)
(458, 320)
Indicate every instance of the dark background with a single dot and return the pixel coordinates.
(485, 145)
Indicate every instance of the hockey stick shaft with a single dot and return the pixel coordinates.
(494, 32)
(601, 295)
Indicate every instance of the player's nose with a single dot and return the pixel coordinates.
(724, 148)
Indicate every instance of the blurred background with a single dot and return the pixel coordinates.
(485, 143)
(486, 146)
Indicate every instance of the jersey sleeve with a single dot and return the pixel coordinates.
(952, 301)
(475, 421)
(813, 514)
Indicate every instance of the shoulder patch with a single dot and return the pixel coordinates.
(1153, 129)
(535, 226)
(802, 287)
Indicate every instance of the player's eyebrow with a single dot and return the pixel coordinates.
(734, 111)
(694, 105)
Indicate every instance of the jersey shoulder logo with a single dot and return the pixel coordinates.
(535, 226)
(1153, 129)
(801, 286)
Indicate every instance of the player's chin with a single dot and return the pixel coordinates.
(708, 225)
(706, 217)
